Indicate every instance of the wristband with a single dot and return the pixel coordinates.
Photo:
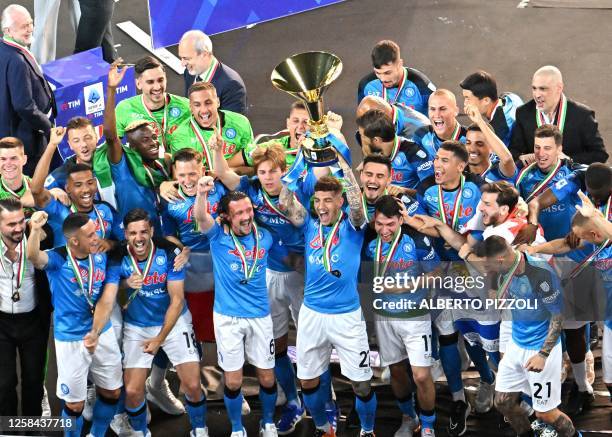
(544, 354)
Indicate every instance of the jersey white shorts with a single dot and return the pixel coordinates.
(116, 319)
(237, 336)
(74, 363)
(544, 387)
(399, 339)
(320, 332)
(606, 355)
(180, 344)
(505, 335)
(286, 294)
(444, 322)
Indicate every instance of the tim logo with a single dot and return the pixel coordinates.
(121, 89)
(155, 278)
(71, 105)
(248, 253)
(315, 243)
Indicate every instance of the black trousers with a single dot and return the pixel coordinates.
(25, 334)
(95, 28)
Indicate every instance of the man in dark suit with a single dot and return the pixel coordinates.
(581, 139)
(195, 51)
(26, 100)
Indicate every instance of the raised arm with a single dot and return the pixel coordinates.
(115, 76)
(37, 186)
(201, 215)
(528, 233)
(291, 206)
(506, 162)
(36, 256)
(353, 195)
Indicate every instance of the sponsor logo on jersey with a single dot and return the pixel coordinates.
(248, 253)
(64, 388)
(229, 149)
(155, 278)
(315, 243)
(397, 176)
(94, 98)
(425, 166)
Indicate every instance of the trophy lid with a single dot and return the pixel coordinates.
(307, 75)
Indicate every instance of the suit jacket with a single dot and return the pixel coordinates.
(25, 100)
(581, 139)
(230, 88)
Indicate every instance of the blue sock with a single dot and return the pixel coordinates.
(325, 381)
(267, 396)
(285, 375)
(121, 402)
(435, 349)
(77, 420)
(427, 420)
(587, 334)
(451, 363)
(196, 411)
(314, 399)
(495, 357)
(103, 412)
(138, 417)
(233, 405)
(406, 405)
(366, 410)
(479, 358)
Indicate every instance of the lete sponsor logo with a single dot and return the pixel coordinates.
(94, 98)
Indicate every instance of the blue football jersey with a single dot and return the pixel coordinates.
(414, 93)
(148, 305)
(102, 214)
(130, 194)
(411, 164)
(413, 256)
(72, 317)
(503, 116)
(556, 219)
(431, 142)
(233, 297)
(540, 287)
(428, 197)
(494, 174)
(283, 231)
(409, 123)
(178, 220)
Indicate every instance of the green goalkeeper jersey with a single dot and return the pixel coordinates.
(166, 119)
(236, 133)
(284, 141)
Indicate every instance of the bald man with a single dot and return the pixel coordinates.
(196, 53)
(442, 110)
(581, 139)
(409, 123)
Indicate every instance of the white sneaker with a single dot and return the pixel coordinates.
(246, 408)
(89, 403)
(121, 425)
(385, 375)
(484, 398)
(281, 397)
(46, 408)
(590, 367)
(409, 425)
(164, 398)
(140, 434)
(242, 433)
(199, 432)
(269, 430)
(437, 371)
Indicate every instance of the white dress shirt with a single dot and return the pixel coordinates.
(8, 285)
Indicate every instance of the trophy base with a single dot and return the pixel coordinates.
(320, 157)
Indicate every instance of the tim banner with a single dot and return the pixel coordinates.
(169, 19)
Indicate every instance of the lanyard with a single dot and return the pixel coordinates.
(507, 278)
(539, 187)
(400, 88)
(559, 117)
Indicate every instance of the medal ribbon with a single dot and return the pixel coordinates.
(559, 117)
(327, 243)
(482, 175)
(507, 278)
(212, 68)
(25, 184)
(379, 256)
(207, 152)
(22, 260)
(364, 203)
(270, 204)
(144, 272)
(456, 132)
(99, 218)
(454, 219)
(539, 187)
(498, 103)
(87, 292)
(585, 262)
(164, 118)
(395, 149)
(400, 87)
(248, 272)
